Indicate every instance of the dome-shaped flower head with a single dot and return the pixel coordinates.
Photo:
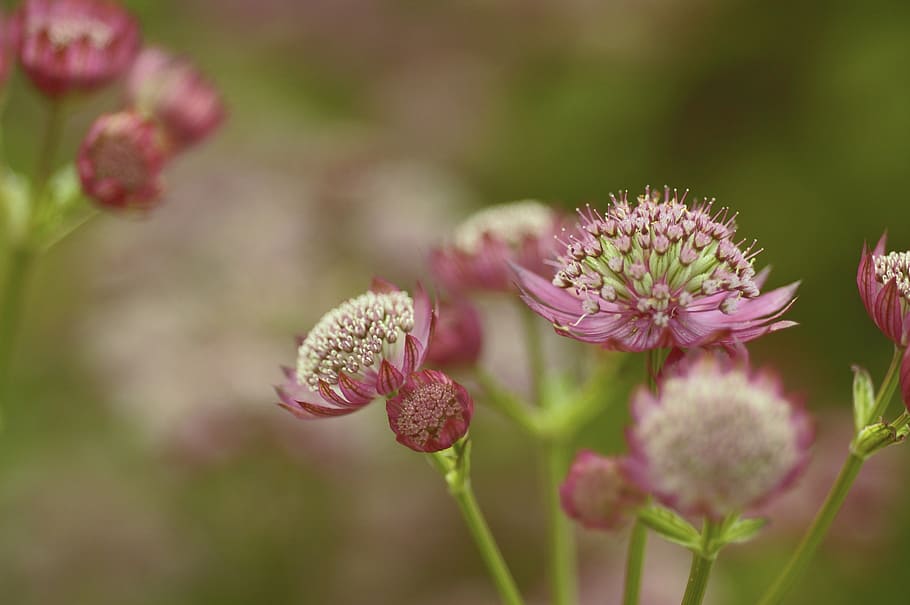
(187, 105)
(484, 245)
(430, 412)
(884, 286)
(358, 351)
(656, 274)
(458, 337)
(75, 45)
(120, 161)
(717, 438)
(596, 492)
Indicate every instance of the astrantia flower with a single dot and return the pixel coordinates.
(120, 161)
(485, 244)
(75, 45)
(884, 286)
(717, 438)
(362, 349)
(657, 274)
(596, 492)
(430, 412)
(458, 337)
(171, 89)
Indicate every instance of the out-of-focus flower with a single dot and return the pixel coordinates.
(597, 494)
(884, 285)
(458, 337)
(170, 88)
(659, 274)
(430, 412)
(75, 45)
(717, 438)
(120, 161)
(485, 244)
(362, 349)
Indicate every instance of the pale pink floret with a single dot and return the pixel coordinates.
(430, 412)
(656, 274)
(75, 45)
(480, 255)
(883, 280)
(717, 439)
(596, 492)
(361, 350)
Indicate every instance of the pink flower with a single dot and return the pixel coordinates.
(884, 286)
(486, 243)
(430, 412)
(171, 89)
(717, 438)
(9, 42)
(458, 338)
(659, 274)
(362, 349)
(120, 161)
(75, 45)
(597, 494)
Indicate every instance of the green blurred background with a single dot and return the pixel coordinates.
(143, 461)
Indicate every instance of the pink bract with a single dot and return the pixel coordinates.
(430, 412)
(656, 274)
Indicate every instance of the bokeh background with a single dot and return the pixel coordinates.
(144, 462)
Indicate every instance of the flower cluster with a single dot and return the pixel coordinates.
(68, 47)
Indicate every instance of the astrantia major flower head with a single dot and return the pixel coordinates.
(884, 286)
(717, 438)
(484, 245)
(362, 349)
(656, 273)
(75, 45)
(596, 492)
(430, 412)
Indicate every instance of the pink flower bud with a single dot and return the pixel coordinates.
(430, 412)
(75, 45)
(458, 338)
(170, 88)
(597, 494)
(120, 161)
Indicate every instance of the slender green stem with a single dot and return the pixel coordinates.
(506, 403)
(562, 542)
(536, 362)
(11, 303)
(634, 563)
(825, 517)
(700, 570)
(47, 153)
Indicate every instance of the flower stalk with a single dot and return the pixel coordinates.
(702, 561)
(635, 558)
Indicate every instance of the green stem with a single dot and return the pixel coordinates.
(825, 517)
(562, 542)
(506, 403)
(634, 563)
(536, 362)
(700, 570)
(47, 153)
(11, 303)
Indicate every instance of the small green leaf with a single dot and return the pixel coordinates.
(863, 398)
(742, 530)
(671, 526)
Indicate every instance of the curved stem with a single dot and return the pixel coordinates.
(700, 570)
(634, 563)
(506, 403)
(11, 302)
(562, 542)
(816, 532)
(536, 363)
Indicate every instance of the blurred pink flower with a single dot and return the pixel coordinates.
(458, 337)
(597, 494)
(658, 274)
(75, 45)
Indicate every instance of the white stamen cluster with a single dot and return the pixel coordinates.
(656, 257)
(64, 31)
(426, 410)
(896, 266)
(354, 336)
(510, 223)
(718, 439)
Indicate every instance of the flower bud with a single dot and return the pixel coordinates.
(120, 161)
(458, 338)
(75, 45)
(430, 412)
(597, 494)
(171, 89)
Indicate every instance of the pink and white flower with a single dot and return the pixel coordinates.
(363, 349)
(657, 274)
(430, 412)
(717, 438)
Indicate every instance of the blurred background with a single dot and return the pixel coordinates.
(144, 461)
